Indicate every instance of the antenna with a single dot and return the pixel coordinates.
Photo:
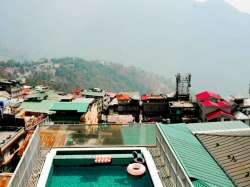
(249, 91)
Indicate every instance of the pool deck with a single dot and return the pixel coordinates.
(149, 160)
(97, 136)
(159, 163)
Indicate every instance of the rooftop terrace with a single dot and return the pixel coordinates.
(97, 135)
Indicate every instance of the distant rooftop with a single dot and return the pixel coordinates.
(94, 93)
(241, 116)
(39, 107)
(132, 95)
(71, 106)
(4, 94)
(216, 126)
(205, 95)
(39, 96)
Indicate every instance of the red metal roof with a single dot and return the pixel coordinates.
(224, 104)
(206, 95)
(122, 97)
(145, 97)
(217, 114)
(208, 103)
(148, 97)
(221, 104)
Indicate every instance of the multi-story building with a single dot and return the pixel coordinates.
(13, 87)
(11, 138)
(213, 107)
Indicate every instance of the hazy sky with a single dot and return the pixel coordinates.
(209, 39)
(241, 5)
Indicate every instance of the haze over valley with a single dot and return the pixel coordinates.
(208, 38)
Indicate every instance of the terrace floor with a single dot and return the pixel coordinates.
(97, 135)
(4, 179)
(162, 169)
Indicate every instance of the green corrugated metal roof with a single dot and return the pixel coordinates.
(37, 95)
(211, 126)
(70, 106)
(199, 183)
(196, 161)
(41, 107)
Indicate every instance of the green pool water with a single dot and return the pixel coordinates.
(96, 176)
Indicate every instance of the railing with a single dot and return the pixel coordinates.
(41, 122)
(28, 161)
(64, 123)
(177, 172)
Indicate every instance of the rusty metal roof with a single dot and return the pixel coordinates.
(232, 153)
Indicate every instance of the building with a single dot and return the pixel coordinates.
(11, 138)
(213, 107)
(241, 108)
(71, 112)
(66, 98)
(154, 108)
(11, 120)
(36, 96)
(129, 104)
(5, 95)
(95, 93)
(13, 87)
(123, 107)
(242, 117)
(26, 90)
(183, 112)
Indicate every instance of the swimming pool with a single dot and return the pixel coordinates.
(75, 167)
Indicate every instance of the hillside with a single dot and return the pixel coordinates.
(65, 74)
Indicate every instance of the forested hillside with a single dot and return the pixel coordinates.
(66, 74)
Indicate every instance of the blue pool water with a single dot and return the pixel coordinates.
(96, 176)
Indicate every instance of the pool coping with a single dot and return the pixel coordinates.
(148, 158)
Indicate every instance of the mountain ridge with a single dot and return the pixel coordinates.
(68, 73)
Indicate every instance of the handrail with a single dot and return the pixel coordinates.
(173, 154)
(21, 173)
